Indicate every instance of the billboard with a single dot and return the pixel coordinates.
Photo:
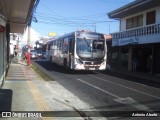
(52, 34)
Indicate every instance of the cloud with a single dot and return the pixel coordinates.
(34, 36)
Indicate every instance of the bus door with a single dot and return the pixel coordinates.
(71, 51)
(48, 51)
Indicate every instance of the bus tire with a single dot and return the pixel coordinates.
(65, 63)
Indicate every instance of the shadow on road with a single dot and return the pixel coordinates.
(54, 67)
(133, 78)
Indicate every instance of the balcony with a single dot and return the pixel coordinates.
(140, 35)
(140, 31)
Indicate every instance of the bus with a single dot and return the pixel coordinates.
(79, 50)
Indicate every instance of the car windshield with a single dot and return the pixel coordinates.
(33, 51)
(90, 48)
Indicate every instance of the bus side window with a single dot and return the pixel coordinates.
(65, 46)
(59, 45)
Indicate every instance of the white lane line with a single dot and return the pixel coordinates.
(99, 89)
(126, 87)
(134, 83)
(128, 100)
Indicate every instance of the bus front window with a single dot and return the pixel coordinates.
(98, 46)
(88, 48)
(83, 46)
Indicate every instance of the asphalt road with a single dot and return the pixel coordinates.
(106, 92)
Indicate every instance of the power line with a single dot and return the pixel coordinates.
(57, 19)
(114, 2)
(86, 21)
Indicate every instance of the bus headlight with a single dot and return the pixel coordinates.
(79, 64)
(103, 65)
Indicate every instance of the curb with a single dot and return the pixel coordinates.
(41, 73)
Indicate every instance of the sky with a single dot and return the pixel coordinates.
(65, 16)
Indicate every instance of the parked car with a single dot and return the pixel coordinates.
(39, 54)
(33, 54)
(43, 55)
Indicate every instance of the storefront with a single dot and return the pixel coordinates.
(156, 58)
(142, 58)
(3, 49)
(112, 56)
(136, 58)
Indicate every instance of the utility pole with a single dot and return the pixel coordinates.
(95, 27)
(28, 44)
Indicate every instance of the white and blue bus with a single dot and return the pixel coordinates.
(79, 50)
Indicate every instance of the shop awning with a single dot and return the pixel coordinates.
(17, 13)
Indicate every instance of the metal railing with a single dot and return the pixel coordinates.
(140, 31)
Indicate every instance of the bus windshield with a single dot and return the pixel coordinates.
(87, 48)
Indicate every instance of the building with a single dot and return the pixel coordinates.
(136, 47)
(14, 17)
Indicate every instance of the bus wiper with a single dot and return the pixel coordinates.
(87, 43)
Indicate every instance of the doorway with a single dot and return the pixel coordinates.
(142, 55)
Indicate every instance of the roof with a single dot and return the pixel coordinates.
(17, 13)
(133, 7)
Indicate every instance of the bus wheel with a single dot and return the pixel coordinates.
(65, 63)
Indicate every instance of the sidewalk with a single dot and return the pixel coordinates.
(20, 93)
(25, 91)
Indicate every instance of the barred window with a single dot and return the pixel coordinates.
(151, 17)
(133, 22)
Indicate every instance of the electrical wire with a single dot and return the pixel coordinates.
(54, 19)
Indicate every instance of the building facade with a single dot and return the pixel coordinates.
(136, 47)
(4, 43)
(14, 17)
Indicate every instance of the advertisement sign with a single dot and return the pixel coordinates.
(153, 38)
(52, 34)
(125, 41)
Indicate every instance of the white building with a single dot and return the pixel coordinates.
(136, 47)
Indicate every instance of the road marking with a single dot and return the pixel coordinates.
(128, 100)
(126, 87)
(134, 83)
(116, 96)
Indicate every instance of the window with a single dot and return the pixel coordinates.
(65, 45)
(133, 22)
(151, 16)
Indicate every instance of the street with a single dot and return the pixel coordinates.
(104, 92)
